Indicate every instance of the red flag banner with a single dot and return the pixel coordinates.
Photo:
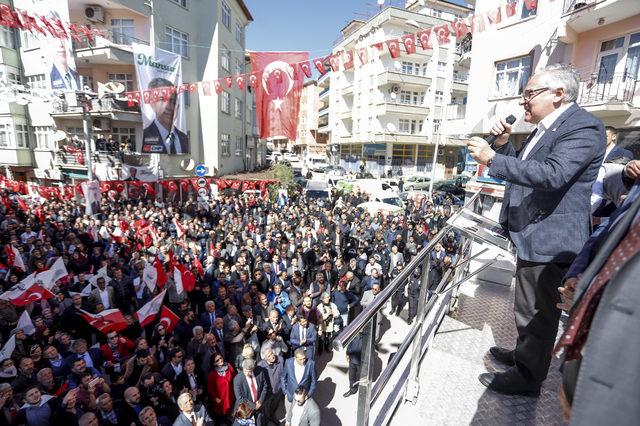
(442, 33)
(106, 321)
(333, 61)
(531, 4)
(278, 92)
(477, 23)
(240, 81)
(218, 86)
(394, 48)
(306, 69)
(495, 16)
(510, 7)
(409, 41)
(168, 319)
(363, 55)
(347, 59)
(228, 81)
(460, 28)
(319, 63)
(425, 39)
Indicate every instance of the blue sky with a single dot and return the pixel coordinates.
(305, 25)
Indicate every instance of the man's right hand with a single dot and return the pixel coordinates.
(567, 292)
(502, 131)
(632, 169)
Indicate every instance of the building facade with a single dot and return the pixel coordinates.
(309, 141)
(211, 42)
(386, 114)
(601, 39)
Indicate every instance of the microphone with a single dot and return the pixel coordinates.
(492, 138)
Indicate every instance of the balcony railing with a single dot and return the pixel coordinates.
(97, 105)
(571, 6)
(110, 38)
(464, 46)
(619, 88)
(461, 78)
(455, 111)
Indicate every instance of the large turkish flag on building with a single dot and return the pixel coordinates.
(278, 91)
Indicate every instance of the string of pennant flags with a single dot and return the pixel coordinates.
(441, 34)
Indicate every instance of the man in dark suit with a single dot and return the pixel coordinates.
(303, 335)
(208, 318)
(161, 136)
(546, 210)
(251, 385)
(298, 371)
(614, 151)
(63, 76)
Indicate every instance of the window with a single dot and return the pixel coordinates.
(182, 3)
(403, 154)
(37, 81)
(125, 79)
(436, 125)
(4, 135)
(177, 41)
(122, 31)
(44, 139)
(29, 40)
(633, 58)
(226, 102)
(436, 12)
(6, 37)
(407, 67)
(238, 66)
(125, 134)
(512, 76)
(425, 155)
(239, 32)
(238, 146)
(412, 127)
(442, 66)
(238, 107)
(22, 136)
(405, 97)
(439, 96)
(226, 15)
(225, 139)
(225, 58)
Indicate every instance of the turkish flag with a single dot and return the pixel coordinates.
(228, 81)
(394, 47)
(460, 28)
(198, 265)
(218, 86)
(531, 4)
(306, 69)
(425, 39)
(363, 55)
(319, 63)
(347, 59)
(161, 274)
(278, 92)
(183, 278)
(442, 33)
(240, 81)
(148, 312)
(333, 62)
(409, 41)
(14, 258)
(510, 7)
(477, 23)
(23, 205)
(180, 230)
(168, 319)
(495, 16)
(106, 321)
(206, 88)
(253, 79)
(32, 293)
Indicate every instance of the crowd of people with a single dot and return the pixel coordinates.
(274, 283)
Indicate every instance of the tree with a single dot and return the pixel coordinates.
(284, 175)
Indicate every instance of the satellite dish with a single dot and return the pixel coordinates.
(397, 65)
(59, 135)
(391, 127)
(187, 164)
(393, 95)
(112, 88)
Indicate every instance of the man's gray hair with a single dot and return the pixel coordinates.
(197, 329)
(248, 364)
(561, 76)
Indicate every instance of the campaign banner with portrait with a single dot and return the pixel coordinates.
(163, 115)
(105, 172)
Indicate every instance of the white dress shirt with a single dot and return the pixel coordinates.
(164, 136)
(298, 371)
(543, 126)
(104, 296)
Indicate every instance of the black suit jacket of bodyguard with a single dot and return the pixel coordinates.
(546, 206)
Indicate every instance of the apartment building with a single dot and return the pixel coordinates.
(211, 41)
(387, 113)
(309, 141)
(600, 38)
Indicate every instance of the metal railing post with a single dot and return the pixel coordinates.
(366, 373)
(413, 385)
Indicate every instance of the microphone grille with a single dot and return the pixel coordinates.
(510, 119)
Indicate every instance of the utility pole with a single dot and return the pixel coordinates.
(86, 107)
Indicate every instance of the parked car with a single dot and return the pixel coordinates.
(450, 186)
(317, 164)
(417, 182)
(316, 189)
(335, 170)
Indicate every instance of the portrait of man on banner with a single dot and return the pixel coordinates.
(63, 73)
(163, 115)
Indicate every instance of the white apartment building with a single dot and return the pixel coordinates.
(309, 141)
(387, 113)
(211, 40)
(600, 38)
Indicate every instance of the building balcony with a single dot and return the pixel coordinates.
(394, 106)
(16, 157)
(455, 111)
(323, 111)
(324, 80)
(324, 129)
(76, 7)
(460, 83)
(345, 114)
(112, 49)
(463, 50)
(324, 94)
(619, 95)
(398, 137)
(393, 76)
(585, 15)
(114, 109)
(347, 91)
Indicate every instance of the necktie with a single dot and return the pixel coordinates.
(67, 79)
(193, 420)
(526, 142)
(254, 390)
(577, 332)
(172, 145)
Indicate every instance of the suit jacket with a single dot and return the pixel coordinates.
(289, 383)
(205, 320)
(242, 390)
(94, 297)
(310, 414)
(182, 381)
(296, 335)
(618, 152)
(607, 386)
(546, 206)
(200, 412)
(152, 141)
(58, 82)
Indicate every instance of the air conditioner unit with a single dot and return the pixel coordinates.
(94, 13)
(103, 124)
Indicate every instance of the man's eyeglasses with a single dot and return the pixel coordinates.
(529, 94)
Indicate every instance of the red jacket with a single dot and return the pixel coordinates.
(125, 349)
(221, 387)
